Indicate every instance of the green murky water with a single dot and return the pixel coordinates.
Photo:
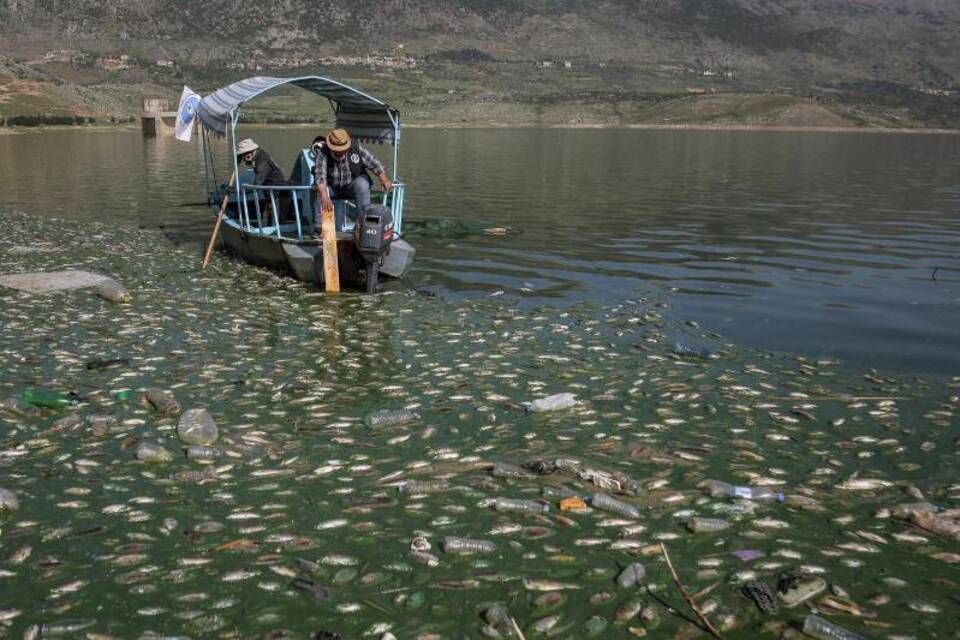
(305, 491)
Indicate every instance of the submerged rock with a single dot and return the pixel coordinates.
(8, 500)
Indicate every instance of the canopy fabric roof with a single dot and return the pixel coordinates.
(362, 115)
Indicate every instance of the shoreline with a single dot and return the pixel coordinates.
(539, 125)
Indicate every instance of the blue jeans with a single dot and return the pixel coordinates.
(358, 190)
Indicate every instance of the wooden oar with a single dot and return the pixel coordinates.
(216, 226)
(331, 270)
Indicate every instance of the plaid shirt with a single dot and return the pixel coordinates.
(338, 176)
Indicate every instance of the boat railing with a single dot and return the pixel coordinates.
(250, 210)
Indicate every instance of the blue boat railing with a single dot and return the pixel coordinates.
(253, 219)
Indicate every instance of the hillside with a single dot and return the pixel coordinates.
(860, 62)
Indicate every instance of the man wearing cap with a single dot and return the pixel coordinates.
(341, 170)
(267, 174)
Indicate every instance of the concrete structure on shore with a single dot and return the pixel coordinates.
(158, 117)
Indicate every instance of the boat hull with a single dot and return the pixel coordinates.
(303, 259)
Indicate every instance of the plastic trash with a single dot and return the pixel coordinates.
(197, 427)
(466, 545)
(721, 489)
(8, 500)
(390, 418)
(48, 399)
(704, 525)
(684, 349)
(798, 591)
(152, 452)
(607, 503)
(162, 401)
(816, 627)
(114, 292)
(631, 575)
(201, 452)
(520, 506)
(573, 503)
(507, 470)
(424, 486)
(556, 402)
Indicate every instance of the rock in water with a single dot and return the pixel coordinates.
(197, 427)
(631, 575)
(152, 452)
(8, 500)
(162, 401)
(114, 292)
(552, 403)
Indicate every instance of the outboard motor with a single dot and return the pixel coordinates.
(373, 235)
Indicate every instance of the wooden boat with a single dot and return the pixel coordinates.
(252, 229)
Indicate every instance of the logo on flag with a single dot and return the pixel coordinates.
(186, 112)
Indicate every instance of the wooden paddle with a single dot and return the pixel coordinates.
(216, 226)
(331, 270)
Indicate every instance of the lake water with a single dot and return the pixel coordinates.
(828, 244)
(618, 246)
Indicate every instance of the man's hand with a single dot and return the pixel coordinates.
(325, 202)
(385, 181)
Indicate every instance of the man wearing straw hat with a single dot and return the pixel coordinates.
(341, 170)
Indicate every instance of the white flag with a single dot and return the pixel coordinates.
(186, 112)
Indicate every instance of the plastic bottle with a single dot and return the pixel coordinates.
(200, 452)
(556, 402)
(721, 489)
(47, 399)
(703, 525)
(196, 426)
(151, 452)
(466, 545)
(607, 503)
(816, 627)
(390, 418)
(424, 486)
(520, 506)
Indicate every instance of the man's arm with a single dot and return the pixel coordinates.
(320, 180)
(370, 161)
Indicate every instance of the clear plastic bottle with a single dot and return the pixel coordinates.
(607, 503)
(466, 545)
(721, 489)
(390, 418)
(520, 506)
(556, 402)
(817, 627)
(703, 525)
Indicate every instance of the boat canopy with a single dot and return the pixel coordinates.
(363, 115)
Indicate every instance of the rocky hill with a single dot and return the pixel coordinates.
(869, 61)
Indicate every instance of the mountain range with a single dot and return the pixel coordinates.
(838, 62)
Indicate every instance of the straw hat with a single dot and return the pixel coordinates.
(246, 146)
(338, 140)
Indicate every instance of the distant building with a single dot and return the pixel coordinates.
(164, 63)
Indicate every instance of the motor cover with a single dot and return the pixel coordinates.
(373, 232)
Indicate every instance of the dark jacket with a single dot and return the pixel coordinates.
(268, 173)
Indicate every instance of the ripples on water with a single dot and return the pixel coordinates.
(839, 244)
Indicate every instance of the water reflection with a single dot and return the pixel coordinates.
(811, 242)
